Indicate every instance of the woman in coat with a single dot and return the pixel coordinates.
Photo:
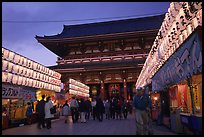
(48, 115)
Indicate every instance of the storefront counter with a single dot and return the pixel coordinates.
(192, 121)
(196, 122)
(176, 125)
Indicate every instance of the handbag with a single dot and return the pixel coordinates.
(52, 110)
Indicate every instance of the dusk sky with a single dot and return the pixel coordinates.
(20, 36)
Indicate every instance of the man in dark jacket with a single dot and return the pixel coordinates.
(40, 109)
(100, 109)
(88, 109)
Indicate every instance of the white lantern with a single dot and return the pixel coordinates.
(11, 56)
(5, 54)
(4, 65)
(30, 83)
(9, 78)
(189, 29)
(34, 66)
(10, 66)
(16, 58)
(34, 83)
(4, 76)
(185, 34)
(15, 79)
(20, 79)
(15, 69)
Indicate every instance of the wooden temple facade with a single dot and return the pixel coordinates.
(107, 56)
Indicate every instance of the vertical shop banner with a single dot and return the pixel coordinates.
(185, 62)
(182, 95)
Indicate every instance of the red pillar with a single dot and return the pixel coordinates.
(125, 89)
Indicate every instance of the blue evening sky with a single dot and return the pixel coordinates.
(20, 37)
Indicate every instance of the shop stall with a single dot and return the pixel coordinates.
(174, 65)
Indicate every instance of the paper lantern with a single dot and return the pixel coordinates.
(4, 76)
(11, 56)
(185, 34)
(189, 29)
(5, 54)
(15, 79)
(34, 83)
(16, 58)
(20, 79)
(10, 66)
(9, 78)
(15, 69)
(4, 65)
(34, 66)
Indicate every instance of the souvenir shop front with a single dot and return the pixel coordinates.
(183, 85)
(14, 104)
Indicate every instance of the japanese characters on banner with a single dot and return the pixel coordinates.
(9, 91)
(185, 62)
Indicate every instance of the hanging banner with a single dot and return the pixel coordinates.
(185, 62)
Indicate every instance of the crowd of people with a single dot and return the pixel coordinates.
(84, 109)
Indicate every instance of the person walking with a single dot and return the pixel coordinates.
(125, 109)
(29, 113)
(93, 104)
(100, 109)
(107, 109)
(82, 110)
(66, 111)
(40, 110)
(74, 108)
(48, 115)
(88, 109)
(141, 106)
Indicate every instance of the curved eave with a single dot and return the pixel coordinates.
(93, 37)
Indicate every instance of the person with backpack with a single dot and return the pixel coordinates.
(141, 105)
(66, 111)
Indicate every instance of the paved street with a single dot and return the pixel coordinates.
(107, 127)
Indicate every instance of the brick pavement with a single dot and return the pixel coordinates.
(107, 127)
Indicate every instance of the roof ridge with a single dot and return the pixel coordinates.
(108, 22)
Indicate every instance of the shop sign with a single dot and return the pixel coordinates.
(182, 64)
(28, 95)
(10, 92)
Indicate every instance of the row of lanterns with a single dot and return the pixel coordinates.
(23, 71)
(27, 63)
(25, 81)
(19, 70)
(78, 88)
(180, 21)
